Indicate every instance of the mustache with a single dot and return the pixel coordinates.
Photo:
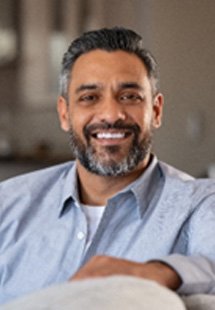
(119, 124)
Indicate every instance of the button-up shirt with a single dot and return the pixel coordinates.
(163, 215)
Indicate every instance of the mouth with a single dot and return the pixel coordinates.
(106, 134)
(110, 135)
(107, 137)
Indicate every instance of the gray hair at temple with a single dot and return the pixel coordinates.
(113, 39)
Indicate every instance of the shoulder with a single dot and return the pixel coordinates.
(38, 176)
(32, 186)
(179, 184)
(31, 198)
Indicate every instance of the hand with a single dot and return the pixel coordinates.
(104, 266)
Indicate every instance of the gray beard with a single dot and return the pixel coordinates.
(88, 157)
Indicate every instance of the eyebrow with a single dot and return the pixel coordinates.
(132, 85)
(87, 87)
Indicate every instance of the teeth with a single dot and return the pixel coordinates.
(109, 135)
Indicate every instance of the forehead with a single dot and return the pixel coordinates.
(100, 66)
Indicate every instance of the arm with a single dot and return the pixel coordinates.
(197, 273)
(104, 266)
(197, 268)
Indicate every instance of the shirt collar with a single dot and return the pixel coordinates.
(147, 194)
(148, 187)
(70, 189)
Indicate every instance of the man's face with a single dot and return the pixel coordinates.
(110, 113)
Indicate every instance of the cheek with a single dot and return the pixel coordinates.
(142, 117)
(78, 121)
(148, 120)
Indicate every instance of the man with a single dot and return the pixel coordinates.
(115, 210)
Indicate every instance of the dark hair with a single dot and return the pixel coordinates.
(117, 38)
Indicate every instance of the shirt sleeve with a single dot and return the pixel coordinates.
(196, 266)
(197, 273)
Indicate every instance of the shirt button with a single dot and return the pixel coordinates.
(80, 235)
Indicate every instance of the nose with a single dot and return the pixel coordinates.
(111, 110)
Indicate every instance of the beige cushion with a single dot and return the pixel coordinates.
(117, 292)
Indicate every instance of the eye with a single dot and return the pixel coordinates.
(87, 99)
(131, 98)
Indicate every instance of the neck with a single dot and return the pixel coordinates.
(96, 190)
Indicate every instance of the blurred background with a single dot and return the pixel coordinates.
(33, 37)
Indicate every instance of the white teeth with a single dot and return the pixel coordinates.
(109, 135)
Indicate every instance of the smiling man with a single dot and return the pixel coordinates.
(115, 210)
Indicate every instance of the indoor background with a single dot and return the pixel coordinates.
(33, 37)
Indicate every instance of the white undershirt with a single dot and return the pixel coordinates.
(93, 215)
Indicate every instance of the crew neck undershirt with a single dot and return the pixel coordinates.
(93, 215)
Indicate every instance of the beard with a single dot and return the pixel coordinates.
(102, 162)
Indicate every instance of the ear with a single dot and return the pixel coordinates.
(158, 103)
(63, 113)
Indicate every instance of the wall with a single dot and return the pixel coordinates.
(182, 37)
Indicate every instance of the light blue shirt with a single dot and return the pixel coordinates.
(165, 214)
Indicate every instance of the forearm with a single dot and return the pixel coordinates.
(104, 266)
